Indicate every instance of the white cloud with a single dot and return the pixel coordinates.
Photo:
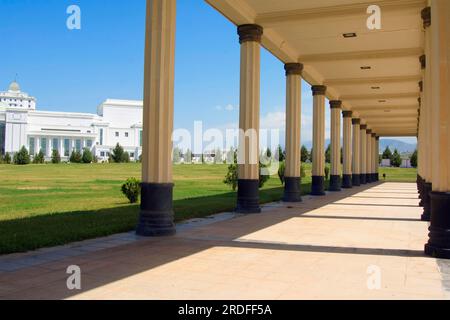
(228, 107)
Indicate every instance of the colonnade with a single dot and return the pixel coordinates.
(360, 142)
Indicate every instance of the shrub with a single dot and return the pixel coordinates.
(263, 178)
(117, 154)
(132, 189)
(75, 157)
(56, 158)
(7, 158)
(304, 154)
(22, 157)
(39, 158)
(125, 157)
(302, 172)
(87, 156)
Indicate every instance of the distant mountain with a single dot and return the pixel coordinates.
(393, 144)
(397, 144)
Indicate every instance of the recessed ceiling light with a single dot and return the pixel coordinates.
(375, 88)
(349, 35)
(381, 101)
(366, 67)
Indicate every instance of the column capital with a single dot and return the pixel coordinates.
(356, 121)
(420, 101)
(374, 135)
(293, 69)
(426, 17)
(318, 90)
(335, 104)
(369, 131)
(250, 32)
(421, 86)
(363, 127)
(347, 114)
(423, 61)
(377, 138)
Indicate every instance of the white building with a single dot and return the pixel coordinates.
(116, 121)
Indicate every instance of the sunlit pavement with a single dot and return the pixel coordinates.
(362, 243)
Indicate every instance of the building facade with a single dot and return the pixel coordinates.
(116, 121)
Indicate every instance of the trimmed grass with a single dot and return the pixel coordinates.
(48, 205)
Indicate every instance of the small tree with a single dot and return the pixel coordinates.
(327, 172)
(328, 154)
(39, 158)
(56, 158)
(132, 189)
(387, 154)
(218, 156)
(231, 177)
(188, 156)
(87, 156)
(7, 158)
(414, 159)
(304, 154)
(281, 154)
(176, 155)
(396, 159)
(117, 154)
(281, 170)
(22, 157)
(75, 157)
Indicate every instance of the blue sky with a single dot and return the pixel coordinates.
(75, 70)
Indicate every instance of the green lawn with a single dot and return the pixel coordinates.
(47, 205)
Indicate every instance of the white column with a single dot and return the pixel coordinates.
(347, 149)
(292, 187)
(356, 156)
(363, 153)
(156, 214)
(438, 245)
(335, 177)
(318, 166)
(248, 152)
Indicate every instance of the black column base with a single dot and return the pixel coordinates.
(374, 177)
(347, 181)
(156, 214)
(335, 183)
(438, 245)
(427, 188)
(248, 196)
(369, 178)
(420, 189)
(378, 176)
(292, 189)
(318, 186)
(362, 178)
(356, 182)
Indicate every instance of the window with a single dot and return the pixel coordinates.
(55, 144)
(140, 138)
(66, 147)
(31, 144)
(89, 143)
(78, 145)
(126, 134)
(101, 137)
(132, 154)
(117, 134)
(44, 145)
(102, 154)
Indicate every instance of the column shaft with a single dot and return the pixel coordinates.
(439, 237)
(248, 151)
(156, 214)
(363, 153)
(374, 159)
(318, 167)
(369, 156)
(347, 150)
(292, 183)
(356, 155)
(335, 178)
(377, 159)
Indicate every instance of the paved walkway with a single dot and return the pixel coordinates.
(363, 243)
